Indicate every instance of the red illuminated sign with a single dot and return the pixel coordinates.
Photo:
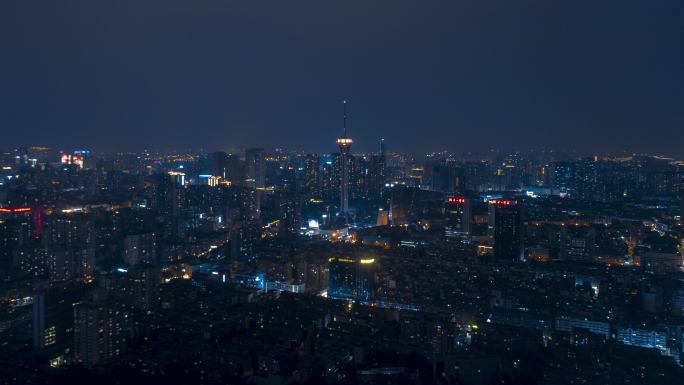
(15, 210)
(456, 200)
(503, 202)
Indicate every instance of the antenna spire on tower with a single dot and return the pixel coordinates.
(344, 118)
(344, 144)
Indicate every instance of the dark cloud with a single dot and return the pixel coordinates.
(465, 75)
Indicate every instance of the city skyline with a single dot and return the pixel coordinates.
(113, 260)
(306, 192)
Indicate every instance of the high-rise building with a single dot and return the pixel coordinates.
(289, 213)
(383, 218)
(234, 169)
(330, 182)
(102, 176)
(16, 232)
(351, 278)
(365, 279)
(341, 278)
(140, 248)
(560, 176)
(166, 193)
(316, 276)
(246, 202)
(255, 174)
(507, 228)
(577, 243)
(312, 177)
(402, 205)
(344, 143)
(243, 242)
(143, 286)
(70, 244)
(448, 178)
(359, 177)
(43, 335)
(255, 167)
(377, 173)
(219, 164)
(98, 332)
(53, 316)
(585, 180)
(458, 214)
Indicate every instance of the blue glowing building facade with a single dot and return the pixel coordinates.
(351, 278)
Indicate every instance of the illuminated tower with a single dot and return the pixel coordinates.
(345, 145)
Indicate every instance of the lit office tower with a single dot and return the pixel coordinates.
(457, 212)
(255, 169)
(507, 228)
(98, 333)
(365, 279)
(351, 278)
(312, 182)
(345, 145)
(341, 278)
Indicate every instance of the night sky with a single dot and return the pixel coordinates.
(588, 75)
